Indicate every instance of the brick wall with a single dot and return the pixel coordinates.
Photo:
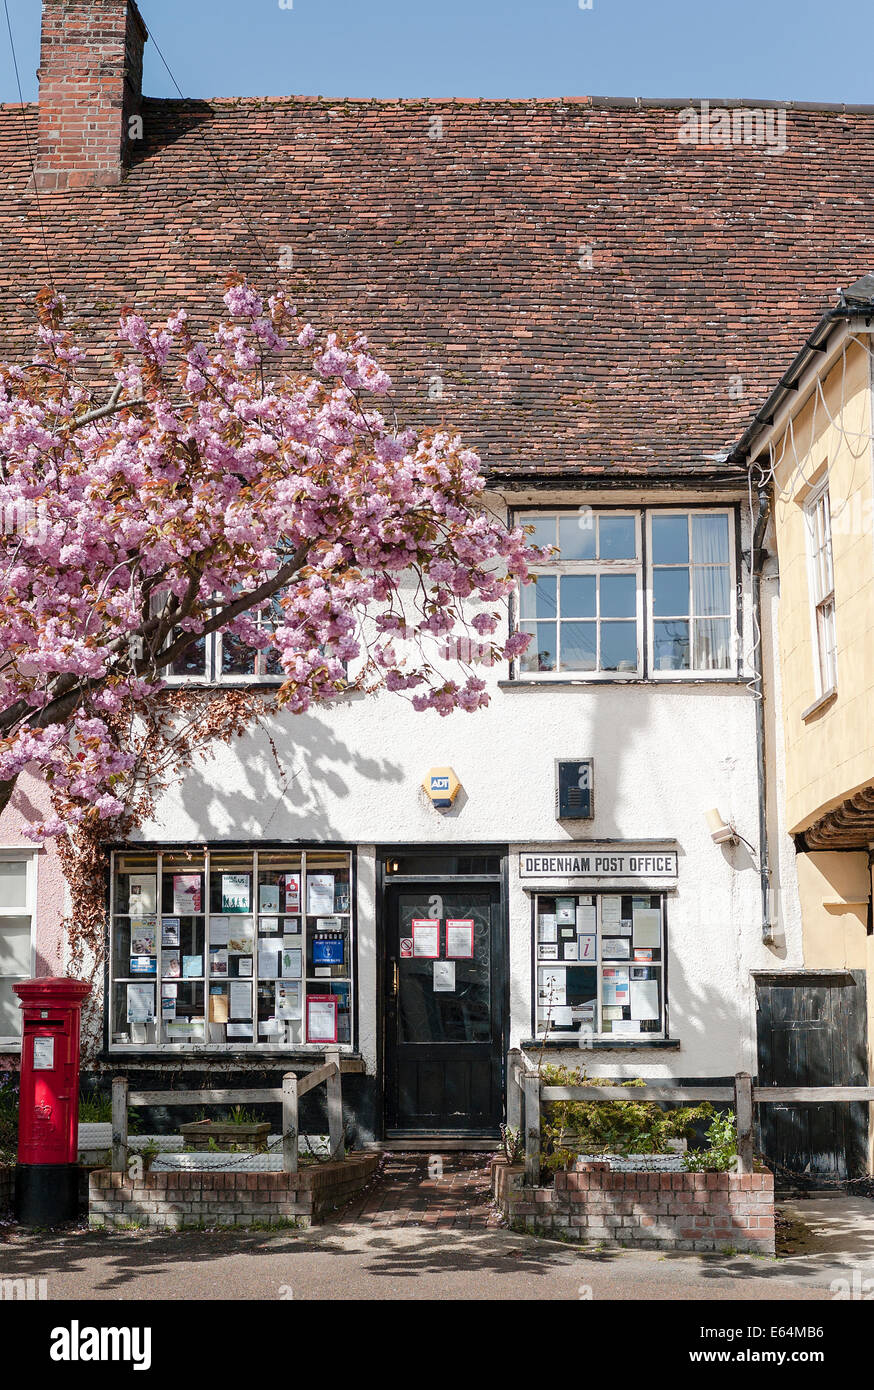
(90, 84)
(7, 1186)
(174, 1199)
(650, 1211)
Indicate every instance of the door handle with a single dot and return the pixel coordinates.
(394, 979)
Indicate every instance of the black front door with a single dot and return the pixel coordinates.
(812, 1031)
(445, 986)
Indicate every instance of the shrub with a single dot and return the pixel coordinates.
(608, 1126)
(721, 1155)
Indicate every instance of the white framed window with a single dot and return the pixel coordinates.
(584, 610)
(591, 607)
(17, 917)
(817, 510)
(691, 598)
(222, 658)
(223, 949)
(599, 965)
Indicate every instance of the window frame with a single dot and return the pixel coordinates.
(597, 568)
(213, 674)
(310, 984)
(816, 504)
(567, 1036)
(9, 854)
(705, 673)
(644, 567)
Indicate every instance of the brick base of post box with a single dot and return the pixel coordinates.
(197, 1197)
(649, 1211)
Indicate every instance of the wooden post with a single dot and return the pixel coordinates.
(334, 1087)
(743, 1100)
(289, 1123)
(119, 1124)
(514, 1090)
(531, 1089)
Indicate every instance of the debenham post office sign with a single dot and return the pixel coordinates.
(625, 862)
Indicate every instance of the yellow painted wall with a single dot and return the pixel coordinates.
(830, 755)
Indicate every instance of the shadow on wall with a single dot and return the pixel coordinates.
(272, 800)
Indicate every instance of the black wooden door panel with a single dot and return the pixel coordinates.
(444, 1046)
(812, 1031)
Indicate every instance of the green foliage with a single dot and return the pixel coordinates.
(512, 1144)
(608, 1126)
(721, 1155)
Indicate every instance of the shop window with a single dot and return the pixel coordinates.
(232, 949)
(17, 895)
(591, 606)
(822, 590)
(599, 965)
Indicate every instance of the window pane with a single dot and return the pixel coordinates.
(15, 946)
(670, 540)
(538, 600)
(13, 884)
(710, 588)
(712, 641)
(543, 529)
(618, 646)
(617, 538)
(710, 539)
(578, 646)
(671, 646)
(237, 658)
(192, 661)
(578, 596)
(542, 650)
(618, 596)
(10, 1014)
(576, 535)
(670, 592)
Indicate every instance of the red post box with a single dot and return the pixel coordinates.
(46, 1177)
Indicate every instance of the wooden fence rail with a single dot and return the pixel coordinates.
(526, 1095)
(288, 1096)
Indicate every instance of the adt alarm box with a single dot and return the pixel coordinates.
(573, 790)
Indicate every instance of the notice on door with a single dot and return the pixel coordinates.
(426, 937)
(444, 976)
(459, 938)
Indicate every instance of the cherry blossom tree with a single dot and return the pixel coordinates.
(232, 473)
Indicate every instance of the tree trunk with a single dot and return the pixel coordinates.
(6, 790)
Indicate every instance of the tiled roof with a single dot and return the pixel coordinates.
(591, 293)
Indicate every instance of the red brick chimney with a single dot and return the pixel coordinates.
(90, 85)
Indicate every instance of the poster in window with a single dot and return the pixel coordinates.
(269, 894)
(169, 994)
(291, 883)
(192, 967)
(292, 963)
(552, 986)
(218, 1006)
(616, 948)
(236, 892)
(240, 999)
(320, 895)
(170, 931)
(242, 940)
(142, 894)
(588, 946)
(143, 938)
(444, 977)
(288, 999)
(172, 965)
(644, 999)
(322, 1018)
(269, 959)
(426, 937)
(565, 911)
(143, 965)
(140, 1003)
(187, 895)
(647, 926)
(328, 952)
(459, 938)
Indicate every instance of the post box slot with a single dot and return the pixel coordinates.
(43, 1023)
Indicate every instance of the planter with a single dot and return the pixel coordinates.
(250, 1137)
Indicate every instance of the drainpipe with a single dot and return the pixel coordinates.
(759, 556)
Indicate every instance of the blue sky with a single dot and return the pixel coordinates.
(801, 49)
